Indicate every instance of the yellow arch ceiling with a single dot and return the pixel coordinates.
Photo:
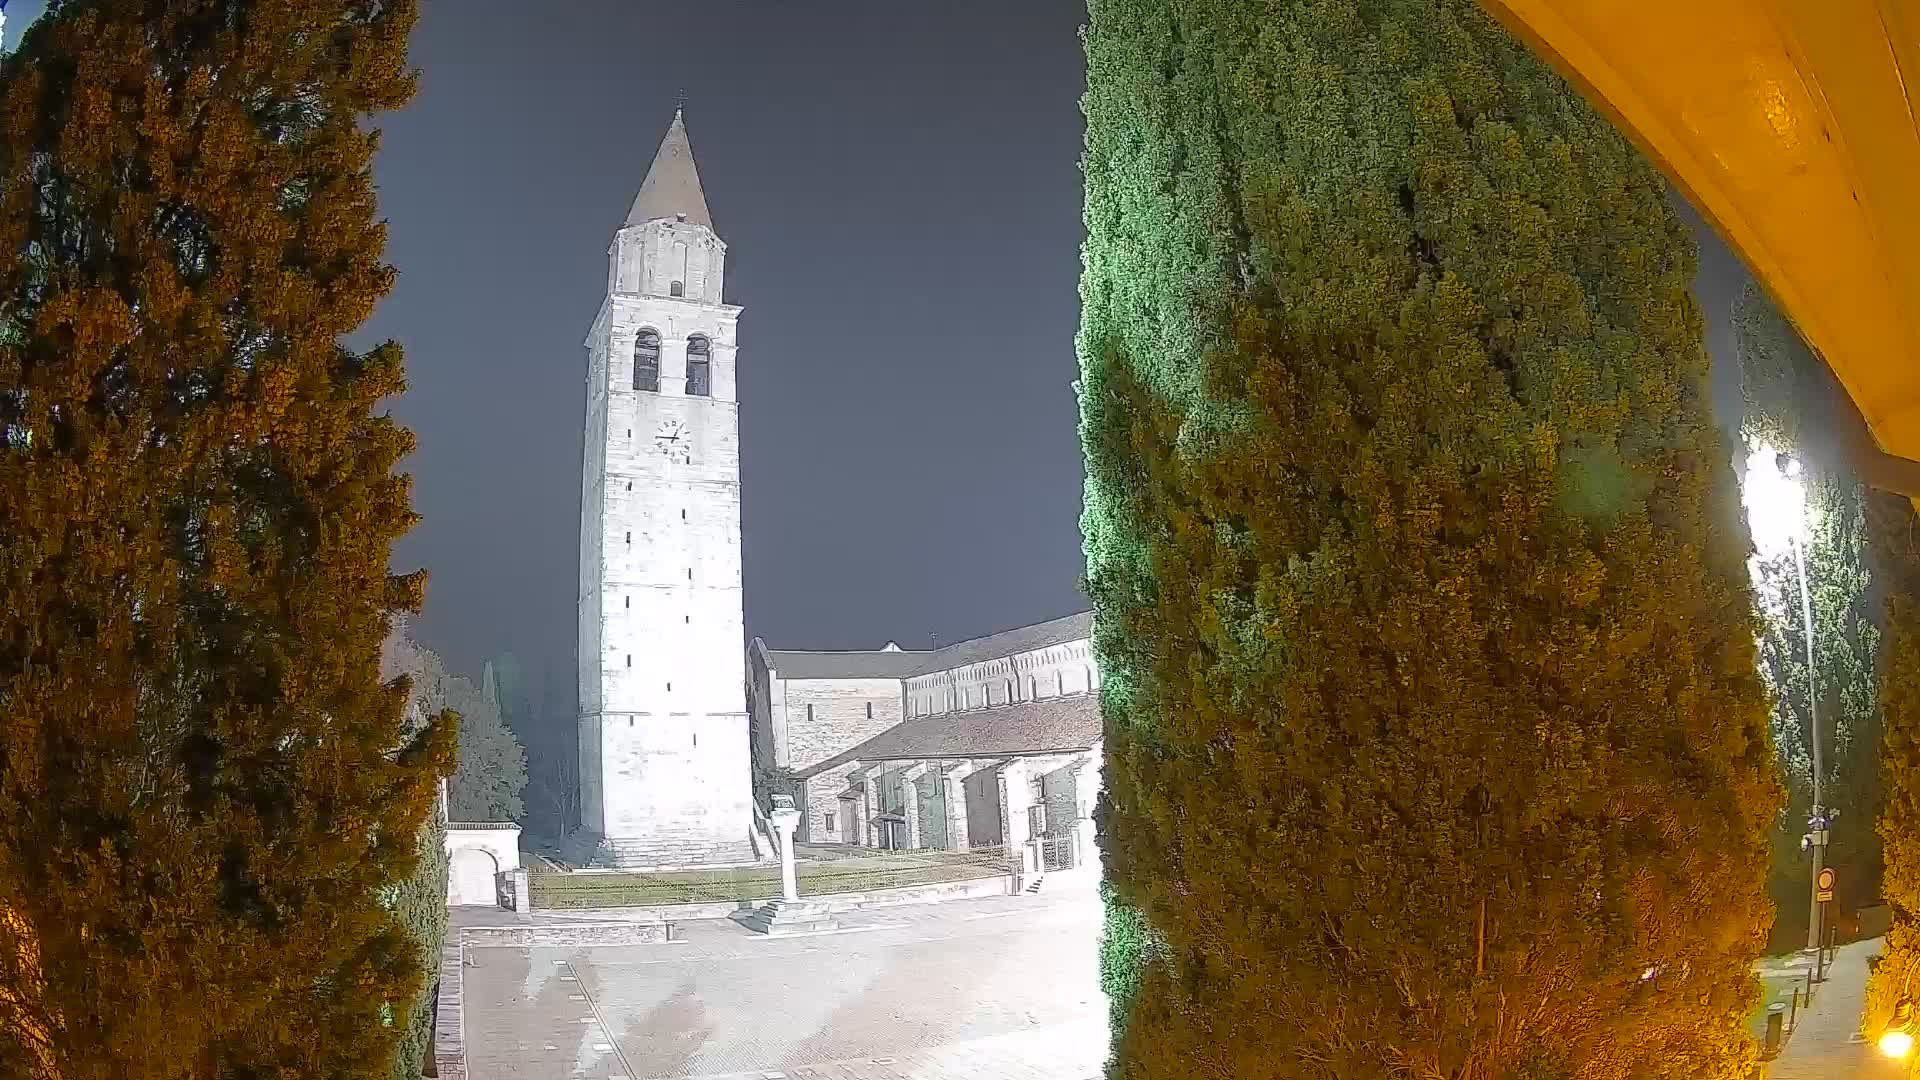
(1791, 125)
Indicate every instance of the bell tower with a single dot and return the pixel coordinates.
(665, 769)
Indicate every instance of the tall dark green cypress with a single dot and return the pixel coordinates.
(1435, 744)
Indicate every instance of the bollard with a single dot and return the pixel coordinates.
(1793, 1014)
(1776, 1017)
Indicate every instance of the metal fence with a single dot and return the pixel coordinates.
(825, 870)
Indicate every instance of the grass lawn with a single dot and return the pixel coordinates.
(816, 877)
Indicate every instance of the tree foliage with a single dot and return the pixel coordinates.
(420, 901)
(1775, 379)
(490, 778)
(1895, 533)
(206, 789)
(1779, 374)
(1435, 744)
(553, 760)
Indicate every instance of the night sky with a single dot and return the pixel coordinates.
(898, 188)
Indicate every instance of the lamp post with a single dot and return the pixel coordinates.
(1897, 1040)
(1816, 820)
(1776, 500)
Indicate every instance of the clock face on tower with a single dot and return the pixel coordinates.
(675, 441)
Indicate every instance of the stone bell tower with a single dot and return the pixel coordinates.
(665, 769)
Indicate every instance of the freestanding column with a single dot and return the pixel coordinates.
(955, 803)
(785, 817)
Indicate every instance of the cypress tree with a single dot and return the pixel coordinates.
(1434, 741)
(420, 903)
(206, 789)
(1895, 534)
(490, 781)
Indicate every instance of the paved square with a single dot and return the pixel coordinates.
(1005, 988)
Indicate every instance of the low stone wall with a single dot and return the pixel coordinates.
(835, 902)
(914, 894)
(567, 935)
(449, 1024)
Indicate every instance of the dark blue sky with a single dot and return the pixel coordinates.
(898, 187)
(897, 184)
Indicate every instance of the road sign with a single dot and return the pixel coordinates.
(1823, 884)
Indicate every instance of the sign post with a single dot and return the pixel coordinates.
(1823, 883)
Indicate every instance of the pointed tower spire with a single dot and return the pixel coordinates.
(672, 187)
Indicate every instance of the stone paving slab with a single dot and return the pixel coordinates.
(1001, 989)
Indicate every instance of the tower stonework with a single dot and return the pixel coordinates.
(665, 769)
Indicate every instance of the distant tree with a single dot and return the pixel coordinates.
(206, 789)
(1779, 375)
(491, 778)
(515, 706)
(1434, 741)
(553, 763)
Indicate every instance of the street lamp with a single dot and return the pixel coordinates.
(1776, 500)
(1897, 1040)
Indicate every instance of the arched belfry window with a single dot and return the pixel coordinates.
(646, 360)
(699, 367)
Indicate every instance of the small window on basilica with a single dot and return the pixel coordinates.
(678, 288)
(699, 367)
(646, 362)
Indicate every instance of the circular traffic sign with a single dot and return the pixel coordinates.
(1826, 877)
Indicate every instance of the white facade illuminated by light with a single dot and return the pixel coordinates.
(663, 728)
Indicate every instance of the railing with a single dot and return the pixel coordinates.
(1057, 851)
(854, 870)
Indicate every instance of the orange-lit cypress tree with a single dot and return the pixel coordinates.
(206, 792)
(1894, 532)
(1434, 741)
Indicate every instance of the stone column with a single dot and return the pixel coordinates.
(862, 808)
(955, 784)
(910, 786)
(1086, 782)
(785, 818)
(872, 808)
(1015, 797)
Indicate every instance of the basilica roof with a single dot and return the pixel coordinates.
(1050, 725)
(898, 664)
(868, 664)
